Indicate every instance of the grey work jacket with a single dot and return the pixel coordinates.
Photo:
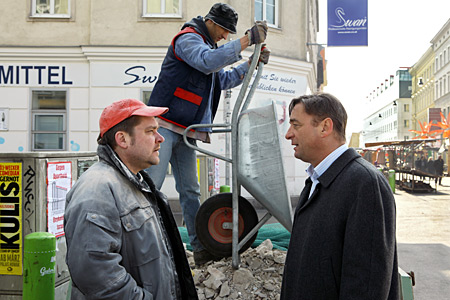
(122, 241)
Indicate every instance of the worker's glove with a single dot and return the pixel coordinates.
(264, 56)
(257, 34)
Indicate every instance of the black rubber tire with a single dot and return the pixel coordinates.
(208, 220)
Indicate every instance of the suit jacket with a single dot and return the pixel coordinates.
(343, 243)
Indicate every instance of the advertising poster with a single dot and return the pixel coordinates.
(347, 23)
(59, 182)
(11, 218)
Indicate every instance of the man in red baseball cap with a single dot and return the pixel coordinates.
(122, 239)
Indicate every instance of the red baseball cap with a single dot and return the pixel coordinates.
(120, 110)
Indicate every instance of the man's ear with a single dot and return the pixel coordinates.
(327, 127)
(121, 139)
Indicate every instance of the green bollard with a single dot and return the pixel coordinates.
(392, 180)
(39, 266)
(225, 189)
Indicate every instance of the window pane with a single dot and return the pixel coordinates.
(270, 11)
(49, 123)
(258, 10)
(49, 100)
(153, 6)
(172, 7)
(62, 7)
(42, 6)
(406, 108)
(49, 141)
(146, 96)
(48, 120)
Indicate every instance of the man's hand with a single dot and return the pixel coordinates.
(265, 53)
(263, 56)
(258, 33)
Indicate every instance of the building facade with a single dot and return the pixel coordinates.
(441, 47)
(422, 74)
(389, 110)
(63, 61)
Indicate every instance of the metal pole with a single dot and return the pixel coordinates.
(227, 119)
(236, 187)
(39, 266)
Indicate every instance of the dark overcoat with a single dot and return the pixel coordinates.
(343, 243)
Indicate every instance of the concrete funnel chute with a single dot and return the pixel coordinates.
(260, 163)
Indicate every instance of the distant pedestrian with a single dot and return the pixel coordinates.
(343, 243)
(430, 166)
(417, 163)
(439, 167)
(423, 164)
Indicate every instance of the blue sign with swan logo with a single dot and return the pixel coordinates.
(347, 23)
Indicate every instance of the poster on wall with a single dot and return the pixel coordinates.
(347, 23)
(11, 218)
(59, 182)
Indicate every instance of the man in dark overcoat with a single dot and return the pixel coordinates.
(343, 243)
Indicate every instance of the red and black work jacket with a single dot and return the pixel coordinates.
(183, 89)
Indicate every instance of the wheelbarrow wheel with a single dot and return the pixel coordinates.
(215, 214)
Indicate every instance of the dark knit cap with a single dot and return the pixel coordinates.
(223, 15)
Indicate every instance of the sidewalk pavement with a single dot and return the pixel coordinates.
(423, 240)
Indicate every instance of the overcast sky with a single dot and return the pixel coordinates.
(399, 31)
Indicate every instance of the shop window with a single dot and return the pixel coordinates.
(48, 121)
(162, 8)
(267, 10)
(50, 8)
(146, 96)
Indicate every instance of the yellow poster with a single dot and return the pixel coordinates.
(11, 218)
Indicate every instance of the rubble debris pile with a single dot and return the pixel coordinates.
(259, 276)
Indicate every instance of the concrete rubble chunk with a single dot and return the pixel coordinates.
(266, 245)
(269, 286)
(242, 276)
(201, 297)
(209, 293)
(225, 289)
(218, 275)
(258, 277)
(279, 258)
(255, 263)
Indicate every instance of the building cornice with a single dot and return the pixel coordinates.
(114, 53)
(72, 54)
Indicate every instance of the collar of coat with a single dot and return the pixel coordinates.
(199, 25)
(107, 155)
(337, 166)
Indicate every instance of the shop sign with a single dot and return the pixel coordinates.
(67, 75)
(347, 23)
(125, 74)
(281, 83)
